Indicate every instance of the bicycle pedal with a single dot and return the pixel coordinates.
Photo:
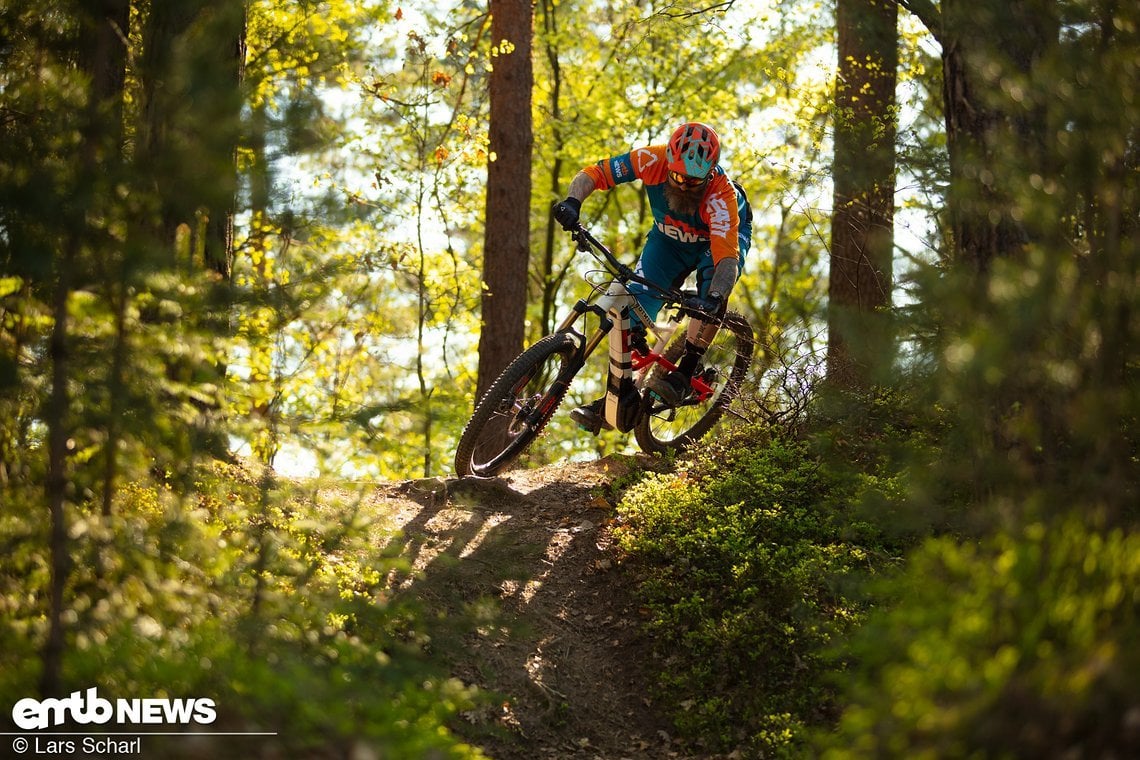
(589, 420)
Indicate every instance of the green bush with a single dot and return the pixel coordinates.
(883, 448)
(252, 594)
(1021, 645)
(744, 558)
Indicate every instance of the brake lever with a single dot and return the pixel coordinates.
(580, 238)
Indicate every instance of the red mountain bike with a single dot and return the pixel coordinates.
(520, 402)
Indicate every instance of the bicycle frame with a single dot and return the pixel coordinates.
(627, 366)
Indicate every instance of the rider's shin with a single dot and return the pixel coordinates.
(691, 358)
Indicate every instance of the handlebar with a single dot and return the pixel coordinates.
(588, 243)
(689, 304)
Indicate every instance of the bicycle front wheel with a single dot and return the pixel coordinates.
(662, 428)
(517, 406)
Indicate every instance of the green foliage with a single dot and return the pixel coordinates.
(343, 340)
(1021, 645)
(1033, 355)
(390, 213)
(271, 600)
(884, 448)
(1007, 633)
(745, 558)
(321, 381)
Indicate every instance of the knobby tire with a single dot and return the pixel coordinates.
(662, 429)
(517, 406)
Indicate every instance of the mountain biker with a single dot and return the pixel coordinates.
(702, 222)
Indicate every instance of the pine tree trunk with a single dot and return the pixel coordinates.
(991, 138)
(191, 70)
(862, 237)
(507, 242)
(103, 54)
(57, 419)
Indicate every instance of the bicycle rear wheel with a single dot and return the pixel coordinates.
(517, 406)
(662, 428)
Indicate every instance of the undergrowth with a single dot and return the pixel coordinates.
(1021, 644)
(746, 557)
(254, 594)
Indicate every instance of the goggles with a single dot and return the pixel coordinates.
(685, 181)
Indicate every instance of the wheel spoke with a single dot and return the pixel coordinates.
(723, 366)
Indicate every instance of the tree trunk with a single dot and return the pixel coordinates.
(862, 236)
(989, 135)
(191, 70)
(102, 54)
(507, 242)
(104, 30)
(228, 33)
(57, 419)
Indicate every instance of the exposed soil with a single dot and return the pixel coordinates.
(561, 640)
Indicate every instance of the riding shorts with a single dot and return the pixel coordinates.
(669, 263)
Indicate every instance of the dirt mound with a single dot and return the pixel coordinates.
(560, 636)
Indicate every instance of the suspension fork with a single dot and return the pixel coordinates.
(622, 398)
(583, 348)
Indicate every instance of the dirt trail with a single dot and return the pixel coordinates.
(562, 640)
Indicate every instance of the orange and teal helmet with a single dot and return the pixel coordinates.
(693, 150)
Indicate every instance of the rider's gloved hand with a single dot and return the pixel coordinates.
(720, 285)
(567, 212)
(712, 305)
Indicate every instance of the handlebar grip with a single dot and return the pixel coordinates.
(698, 308)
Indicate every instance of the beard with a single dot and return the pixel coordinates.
(684, 202)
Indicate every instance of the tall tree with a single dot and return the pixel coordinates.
(862, 237)
(104, 32)
(190, 72)
(507, 241)
(191, 69)
(984, 129)
(991, 131)
(101, 56)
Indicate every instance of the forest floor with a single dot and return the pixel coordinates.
(560, 639)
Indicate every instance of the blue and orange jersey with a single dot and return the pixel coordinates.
(717, 223)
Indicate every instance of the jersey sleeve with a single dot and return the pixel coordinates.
(646, 164)
(722, 214)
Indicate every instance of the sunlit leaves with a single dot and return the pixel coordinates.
(304, 45)
(1029, 624)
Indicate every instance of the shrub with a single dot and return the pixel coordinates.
(1021, 645)
(252, 594)
(743, 557)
